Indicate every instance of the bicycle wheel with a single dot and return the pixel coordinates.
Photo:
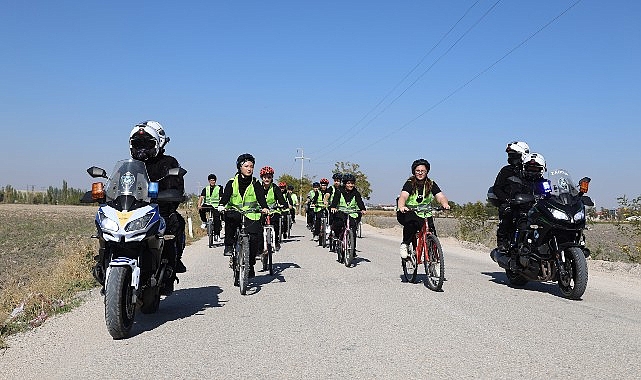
(410, 267)
(321, 234)
(210, 232)
(243, 258)
(434, 263)
(270, 251)
(350, 248)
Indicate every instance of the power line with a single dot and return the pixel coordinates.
(407, 75)
(444, 99)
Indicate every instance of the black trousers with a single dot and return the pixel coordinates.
(413, 223)
(217, 219)
(253, 227)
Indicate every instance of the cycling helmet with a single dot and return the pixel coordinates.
(211, 176)
(516, 152)
(337, 176)
(534, 166)
(267, 170)
(290, 187)
(315, 184)
(163, 140)
(420, 161)
(349, 177)
(144, 143)
(244, 158)
(282, 184)
(324, 181)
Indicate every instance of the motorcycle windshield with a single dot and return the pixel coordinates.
(562, 186)
(130, 178)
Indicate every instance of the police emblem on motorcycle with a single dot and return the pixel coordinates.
(127, 180)
(563, 184)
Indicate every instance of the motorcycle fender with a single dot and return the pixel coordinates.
(125, 261)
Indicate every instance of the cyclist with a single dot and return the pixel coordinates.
(309, 206)
(210, 197)
(346, 203)
(505, 189)
(244, 193)
(292, 199)
(286, 209)
(147, 142)
(332, 192)
(320, 204)
(275, 201)
(418, 192)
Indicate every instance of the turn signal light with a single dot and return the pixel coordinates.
(97, 191)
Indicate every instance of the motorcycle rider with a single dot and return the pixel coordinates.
(418, 190)
(147, 142)
(210, 196)
(505, 189)
(244, 193)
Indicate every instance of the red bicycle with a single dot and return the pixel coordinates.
(426, 250)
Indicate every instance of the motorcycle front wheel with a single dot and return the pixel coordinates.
(119, 306)
(575, 280)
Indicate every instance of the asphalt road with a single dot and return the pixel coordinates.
(316, 319)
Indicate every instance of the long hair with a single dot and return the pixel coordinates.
(416, 184)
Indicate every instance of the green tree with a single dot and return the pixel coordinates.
(301, 187)
(362, 184)
(630, 225)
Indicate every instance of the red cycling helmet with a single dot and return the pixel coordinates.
(324, 181)
(266, 170)
(282, 184)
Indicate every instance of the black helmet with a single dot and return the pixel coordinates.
(337, 176)
(211, 176)
(244, 158)
(316, 184)
(420, 161)
(349, 177)
(290, 187)
(143, 145)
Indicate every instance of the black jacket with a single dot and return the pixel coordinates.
(157, 168)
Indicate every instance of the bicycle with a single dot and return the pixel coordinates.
(210, 224)
(325, 229)
(286, 226)
(345, 245)
(239, 260)
(426, 250)
(268, 245)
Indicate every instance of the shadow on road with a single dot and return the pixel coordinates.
(181, 304)
(541, 287)
(263, 278)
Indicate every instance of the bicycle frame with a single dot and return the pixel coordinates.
(268, 244)
(419, 243)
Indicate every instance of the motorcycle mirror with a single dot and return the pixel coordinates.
(96, 172)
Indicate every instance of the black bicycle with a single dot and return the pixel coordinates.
(210, 224)
(240, 256)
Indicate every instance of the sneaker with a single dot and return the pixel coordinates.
(180, 267)
(228, 250)
(315, 238)
(216, 238)
(404, 251)
(203, 225)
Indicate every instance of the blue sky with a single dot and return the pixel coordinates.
(378, 83)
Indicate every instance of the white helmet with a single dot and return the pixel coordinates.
(144, 142)
(516, 152)
(534, 165)
(159, 129)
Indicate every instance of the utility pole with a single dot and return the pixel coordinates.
(302, 159)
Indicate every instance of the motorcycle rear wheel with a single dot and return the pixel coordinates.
(515, 279)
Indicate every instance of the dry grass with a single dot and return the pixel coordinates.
(46, 256)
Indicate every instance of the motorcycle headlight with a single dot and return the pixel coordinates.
(579, 216)
(140, 223)
(560, 215)
(107, 223)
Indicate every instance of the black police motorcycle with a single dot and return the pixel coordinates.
(549, 244)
